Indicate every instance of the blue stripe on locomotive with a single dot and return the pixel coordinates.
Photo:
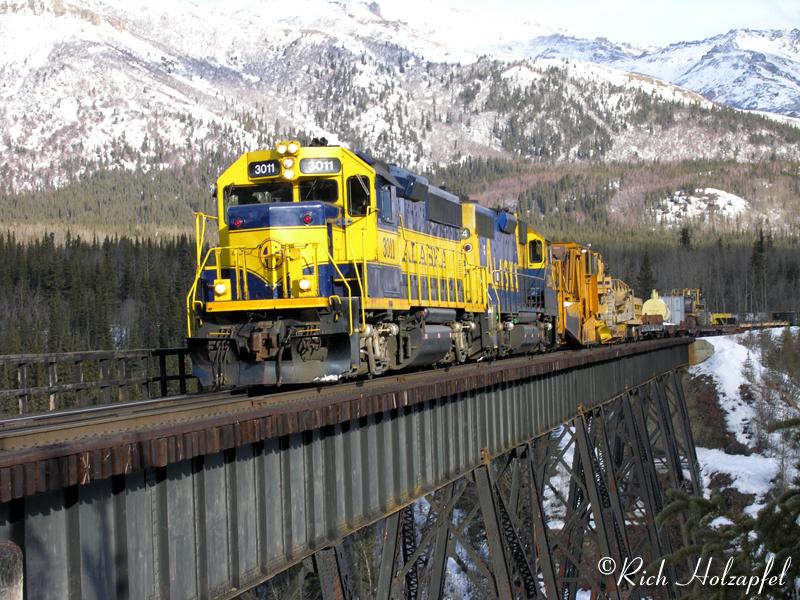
(414, 216)
(288, 214)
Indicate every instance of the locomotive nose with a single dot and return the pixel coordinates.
(291, 241)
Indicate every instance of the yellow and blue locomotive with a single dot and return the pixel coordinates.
(332, 264)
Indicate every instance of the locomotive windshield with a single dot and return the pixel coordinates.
(320, 190)
(277, 191)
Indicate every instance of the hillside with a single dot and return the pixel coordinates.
(724, 195)
(106, 86)
(744, 414)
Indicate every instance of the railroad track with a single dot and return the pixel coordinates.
(62, 428)
(65, 426)
(28, 431)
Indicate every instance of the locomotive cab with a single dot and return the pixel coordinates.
(537, 282)
(292, 223)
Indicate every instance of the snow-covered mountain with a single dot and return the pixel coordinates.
(137, 84)
(565, 46)
(744, 68)
(754, 70)
(747, 69)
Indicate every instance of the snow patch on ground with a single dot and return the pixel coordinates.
(728, 367)
(750, 474)
(521, 76)
(702, 203)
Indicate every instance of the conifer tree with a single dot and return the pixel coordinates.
(645, 282)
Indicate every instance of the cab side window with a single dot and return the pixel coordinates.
(358, 195)
(535, 253)
(385, 202)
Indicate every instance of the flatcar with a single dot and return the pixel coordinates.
(332, 264)
(684, 312)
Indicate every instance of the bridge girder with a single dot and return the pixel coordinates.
(550, 508)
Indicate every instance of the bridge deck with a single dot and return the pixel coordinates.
(212, 495)
(52, 450)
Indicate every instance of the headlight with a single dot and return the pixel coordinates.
(287, 162)
(220, 288)
(293, 147)
(304, 284)
(464, 233)
(288, 174)
(467, 247)
(281, 148)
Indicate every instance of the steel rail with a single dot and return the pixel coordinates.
(28, 431)
(15, 421)
(61, 427)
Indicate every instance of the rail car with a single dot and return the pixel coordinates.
(684, 312)
(332, 264)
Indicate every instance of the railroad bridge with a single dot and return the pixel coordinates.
(510, 477)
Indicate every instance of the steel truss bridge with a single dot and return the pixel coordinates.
(509, 479)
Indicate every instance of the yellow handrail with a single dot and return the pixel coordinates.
(190, 297)
(365, 289)
(349, 291)
(244, 275)
(363, 296)
(217, 261)
(235, 260)
(200, 220)
(284, 273)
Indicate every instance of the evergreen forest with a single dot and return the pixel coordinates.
(93, 295)
(126, 293)
(105, 261)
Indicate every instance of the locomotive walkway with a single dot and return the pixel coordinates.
(207, 495)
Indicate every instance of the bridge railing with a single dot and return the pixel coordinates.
(33, 383)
